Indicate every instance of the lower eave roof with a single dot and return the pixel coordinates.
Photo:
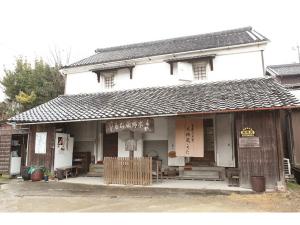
(206, 97)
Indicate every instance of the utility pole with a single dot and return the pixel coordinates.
(298, 51)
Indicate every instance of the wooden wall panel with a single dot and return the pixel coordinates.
(295, 117)
(265, 160)
(5, 148)
(47, 159)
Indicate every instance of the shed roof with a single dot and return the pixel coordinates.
(284, 69)
(207, 97)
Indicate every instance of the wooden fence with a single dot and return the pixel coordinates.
(123, 170)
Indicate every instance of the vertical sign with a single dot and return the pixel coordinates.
(189, 137)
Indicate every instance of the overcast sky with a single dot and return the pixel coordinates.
(32, 28)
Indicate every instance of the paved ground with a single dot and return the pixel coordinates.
(65, 197)
(167, 183)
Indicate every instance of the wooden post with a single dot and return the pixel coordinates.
(131, 153)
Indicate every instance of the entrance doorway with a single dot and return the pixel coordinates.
(110, 144)
(209, 146)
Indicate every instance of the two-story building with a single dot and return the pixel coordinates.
(200, 104)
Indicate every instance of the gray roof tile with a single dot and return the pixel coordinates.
(226, 38)
(208, 97)
(284, 69)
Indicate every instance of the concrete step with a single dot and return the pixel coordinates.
(205, 172)
(208, 168)
(94, 174)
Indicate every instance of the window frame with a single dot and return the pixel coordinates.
(199, 70)
(40, 143)
(109, 79)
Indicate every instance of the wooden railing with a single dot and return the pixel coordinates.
(128, 171)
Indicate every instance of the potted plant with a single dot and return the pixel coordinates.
(46, 175)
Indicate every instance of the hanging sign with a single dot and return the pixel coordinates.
(138, 124)
(189, 137)
(247, 132)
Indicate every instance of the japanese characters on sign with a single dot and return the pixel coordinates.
(247, 132)
(139, 124)
(248, 139)
(189, 138)
(249, 142)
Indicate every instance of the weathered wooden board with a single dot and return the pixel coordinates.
(295, 117)
(249, 142)
(128, 171)
(5, 148)
(266, 159)
(47, 159)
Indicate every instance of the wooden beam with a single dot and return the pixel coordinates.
(211, 64)
(171, 67)
(98, 77)
(130, 72)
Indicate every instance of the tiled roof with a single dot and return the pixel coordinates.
(208, 97)
(284, 69)
(175, 45)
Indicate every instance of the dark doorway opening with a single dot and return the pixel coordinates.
(110, 144)
(209, 146)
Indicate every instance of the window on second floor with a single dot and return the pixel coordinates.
(199, 70)
(109, 80)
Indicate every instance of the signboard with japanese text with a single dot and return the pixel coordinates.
(249, 142)
(189, 137)
(248, 139)
(138, 125)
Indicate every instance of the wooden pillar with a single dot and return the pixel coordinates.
(131, 136)
(280, 151)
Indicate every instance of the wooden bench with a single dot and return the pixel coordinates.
(67, 170)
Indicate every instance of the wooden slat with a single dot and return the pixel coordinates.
(127, 171)
(261, 160)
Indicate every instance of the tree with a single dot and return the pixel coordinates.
(28, 86)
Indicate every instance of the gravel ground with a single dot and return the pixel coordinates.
(19, 196)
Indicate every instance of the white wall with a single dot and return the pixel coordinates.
(236, 66)
(296, 93)
(86, 137)
(160, 130)
(228, 64)
(64, 157)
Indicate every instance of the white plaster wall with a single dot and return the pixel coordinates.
(296, 93)
(85, 82)
(179, 160)
(236, 66)
(85, 136)
(228, 64)
(160, 130)
(63, 158)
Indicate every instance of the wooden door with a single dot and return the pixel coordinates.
(110, 144)
(224, 143)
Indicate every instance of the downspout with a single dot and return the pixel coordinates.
(263, 62)
(97, 142)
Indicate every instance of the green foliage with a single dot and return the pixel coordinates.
(25, 99)
(28, 86)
